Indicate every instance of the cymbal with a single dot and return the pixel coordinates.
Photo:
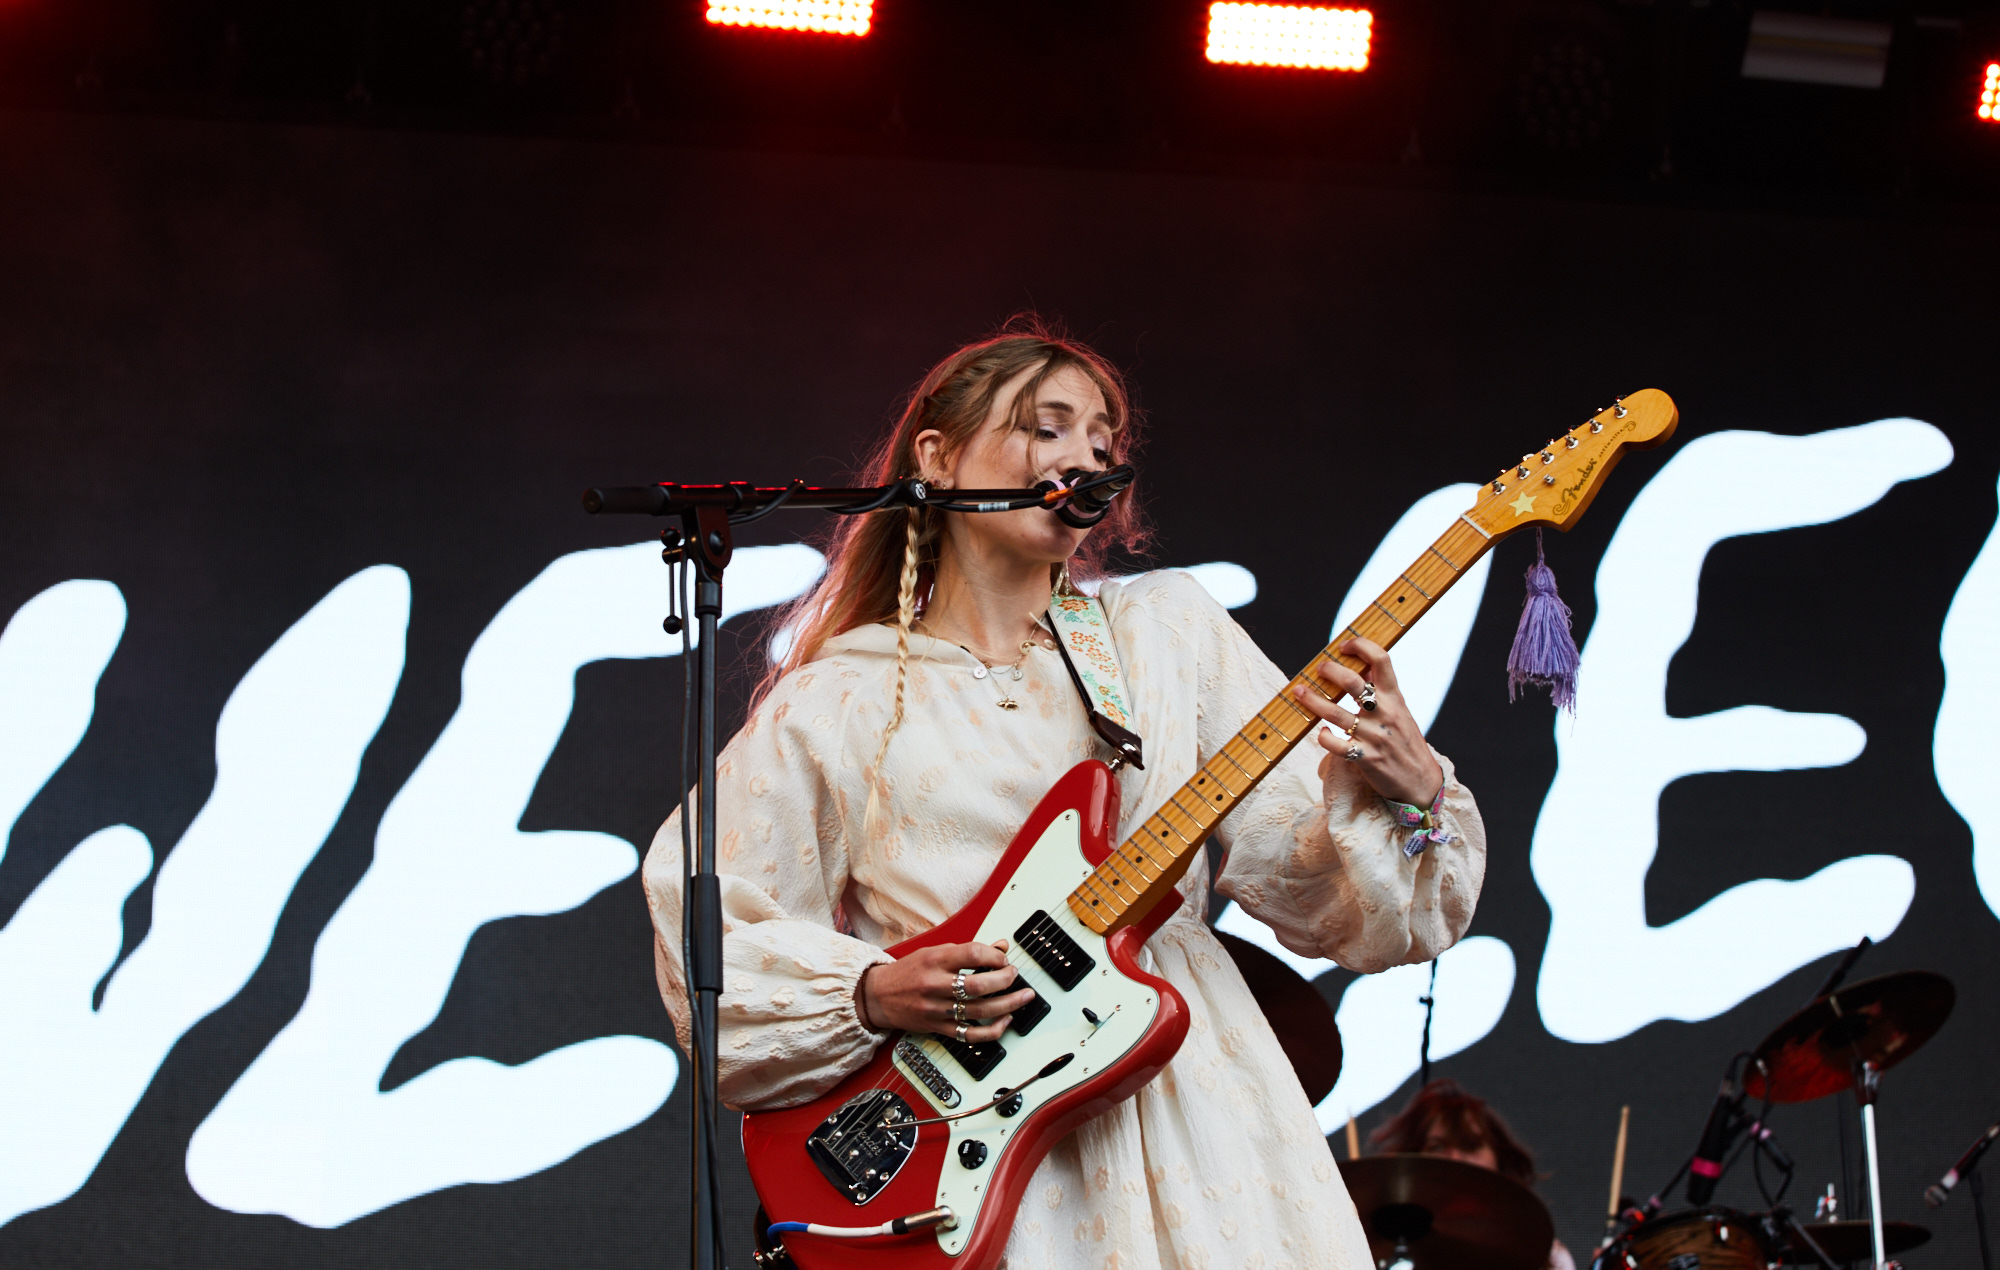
(1881, 1021)
(1450, 1215)
(1297, 1013)
(1845, 1241)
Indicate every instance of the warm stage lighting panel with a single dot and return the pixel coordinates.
(827, 17)
(1989, 99)
(1297, 35)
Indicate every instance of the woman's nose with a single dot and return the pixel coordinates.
(1069, 456)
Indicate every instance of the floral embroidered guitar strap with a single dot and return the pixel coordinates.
(1083, 637)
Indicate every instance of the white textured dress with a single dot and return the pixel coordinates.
(1218, 1162)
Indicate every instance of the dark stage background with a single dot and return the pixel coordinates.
(240, 363)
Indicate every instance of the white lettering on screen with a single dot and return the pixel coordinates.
(1964, 748)
(1598, 831)
(307, 1131)
(287, 750)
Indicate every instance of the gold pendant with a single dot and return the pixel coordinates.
(1008, 703)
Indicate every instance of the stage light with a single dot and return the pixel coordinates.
(1806, 49)
(827, 17)
(1989, 100)
(1299, 35)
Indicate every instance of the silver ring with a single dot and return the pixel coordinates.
(1353, 752)
(958, 992)
(1367, 695)
(961, 1034)
(958, 1012)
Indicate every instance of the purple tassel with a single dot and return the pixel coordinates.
(1544, 651)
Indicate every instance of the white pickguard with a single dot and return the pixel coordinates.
(1125, 1009)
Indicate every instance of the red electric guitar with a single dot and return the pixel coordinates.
(919, 1158)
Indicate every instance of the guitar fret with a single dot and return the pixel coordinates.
(1195, 816)
(1140, 862)
(1248, 760)
(1227, 792)
(1288, 737)
(1209, 804)
(1239, 767)
(1245, 738)
(1161, 864)
(1208, 774)
(1386, 613)
(1161, 817)
(1447, 559)
(1118, 880)
(1312, 679)
(1415, 587)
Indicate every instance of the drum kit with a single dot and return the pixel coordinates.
(1424, 1212)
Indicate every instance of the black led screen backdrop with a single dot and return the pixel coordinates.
(331, 728)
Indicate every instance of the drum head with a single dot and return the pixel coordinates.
(1695, 1239)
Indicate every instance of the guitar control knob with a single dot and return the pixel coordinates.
(1012, 1107)
(972, 1153)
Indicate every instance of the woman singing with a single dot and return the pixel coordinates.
(921, 713)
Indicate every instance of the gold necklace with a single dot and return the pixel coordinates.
(1018, 670)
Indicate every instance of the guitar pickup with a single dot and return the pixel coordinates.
(1028, 1015)
(976, 1057)
(1054, 951)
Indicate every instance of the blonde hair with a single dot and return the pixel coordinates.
(871, 576)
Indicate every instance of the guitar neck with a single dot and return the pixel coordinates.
(1150, 864)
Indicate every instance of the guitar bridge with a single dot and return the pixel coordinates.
(861, 1147)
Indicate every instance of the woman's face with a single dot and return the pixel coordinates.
(1070, 428)
(1441, 1143)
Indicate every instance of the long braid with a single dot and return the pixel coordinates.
(906, 616)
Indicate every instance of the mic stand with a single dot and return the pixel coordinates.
(705, 541)
(1979, 1216)
(706, 513)
(1802, 1235)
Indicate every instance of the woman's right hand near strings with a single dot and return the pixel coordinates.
(914, 994)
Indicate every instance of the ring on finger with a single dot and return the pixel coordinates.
(1353, 752)
(961, 1034)
(958, 992)
(958, 1012)
(1367, 695)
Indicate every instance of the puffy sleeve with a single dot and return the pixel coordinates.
(1313, 852)
(789, 1031)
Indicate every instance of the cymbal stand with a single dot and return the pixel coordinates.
(1867, 1087)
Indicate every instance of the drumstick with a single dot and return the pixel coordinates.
(1353, 1139)
(1618, 1160)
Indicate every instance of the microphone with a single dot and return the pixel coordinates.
(1936, 1195)
(1705, 1170)
(1760, 1133)
(1093, 503)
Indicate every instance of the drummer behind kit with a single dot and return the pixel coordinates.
(1844, 1039)
(1428, 1212)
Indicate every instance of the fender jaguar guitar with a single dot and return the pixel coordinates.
(918, 1160)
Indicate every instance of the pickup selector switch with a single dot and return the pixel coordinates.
(972, 1153)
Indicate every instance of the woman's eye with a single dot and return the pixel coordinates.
(1045, 434)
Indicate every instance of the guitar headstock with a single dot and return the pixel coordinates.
(1553, 485)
